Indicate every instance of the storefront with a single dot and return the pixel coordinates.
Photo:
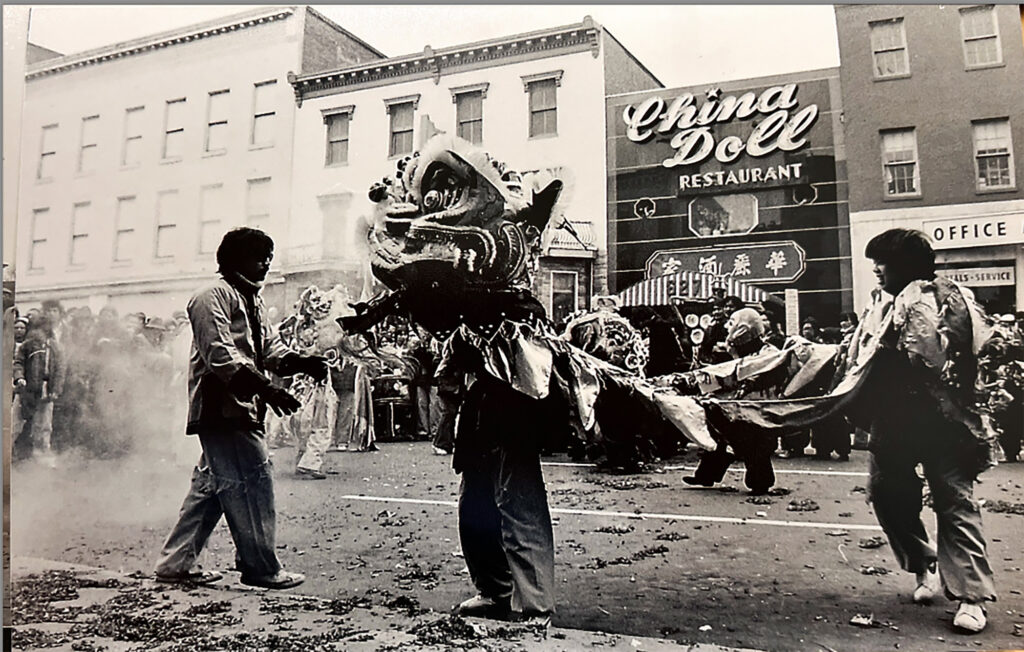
(739, 180)
(979, 245)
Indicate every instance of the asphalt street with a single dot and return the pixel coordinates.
(639, 555)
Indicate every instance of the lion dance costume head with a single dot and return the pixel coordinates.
(453, 229)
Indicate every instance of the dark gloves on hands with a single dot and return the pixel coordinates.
(280, 400)
(314, 366)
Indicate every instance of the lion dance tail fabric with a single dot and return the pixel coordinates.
(456, 238)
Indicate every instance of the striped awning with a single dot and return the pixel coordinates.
(662, 290)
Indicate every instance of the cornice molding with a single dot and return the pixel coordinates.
(542, 76)
(414, 99)
(581, 37)
(470, 88)
(350, 109)
(158, 42)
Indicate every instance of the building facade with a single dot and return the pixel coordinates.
(136, 158)
(534, 101)
(934, 122)
(744, 180)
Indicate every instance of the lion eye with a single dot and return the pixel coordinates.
(432, 199)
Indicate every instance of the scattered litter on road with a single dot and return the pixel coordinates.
(837, 533)
(705, 628)
(1003, 507)
(872, 542)
(873, 570)
(616, 529)
(861, 620)
(802, 505)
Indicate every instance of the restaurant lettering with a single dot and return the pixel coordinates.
(741, 176)
(694, 141)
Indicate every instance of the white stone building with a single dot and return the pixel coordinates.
(137, 157)
(534, 100)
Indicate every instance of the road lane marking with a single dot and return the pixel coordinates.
(642, 515)
(857, 474)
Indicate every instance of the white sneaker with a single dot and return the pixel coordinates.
(928, 586)
(970, 617)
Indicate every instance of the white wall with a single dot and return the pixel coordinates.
(578, 147)
(235, 61)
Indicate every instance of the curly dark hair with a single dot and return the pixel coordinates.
(239, 244)
(906, 252)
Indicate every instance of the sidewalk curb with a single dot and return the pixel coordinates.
(62, 606)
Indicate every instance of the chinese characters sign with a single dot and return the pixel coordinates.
(760, 262)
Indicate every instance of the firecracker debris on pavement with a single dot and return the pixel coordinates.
(59, 606)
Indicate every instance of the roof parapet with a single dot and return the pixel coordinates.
(432, 62)
(158, 41)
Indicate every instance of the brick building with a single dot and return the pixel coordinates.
(934, 122)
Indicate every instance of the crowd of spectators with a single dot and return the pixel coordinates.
(97, 384)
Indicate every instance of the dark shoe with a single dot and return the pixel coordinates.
(690, 479)
(843, 457)
(823, 456)
(484, 607)
(279, 580)
(194, 577)
(309, 474)
(789, 455)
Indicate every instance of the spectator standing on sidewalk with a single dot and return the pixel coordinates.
(38, 380)
(229, 392)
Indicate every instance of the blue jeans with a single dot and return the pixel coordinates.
(231, 478)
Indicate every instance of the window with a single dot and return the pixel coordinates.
(132, 154)
(899, 162)
(543, 102)
(469, 116)
(174, 129)
(564, 287)
(257, 203)
(263, 114)
(124, 235)
(81, 222)
(210, 209)
(168, 208)
(37, 252)
(889, 48)
(401, 128)
(337, 121)
(90, 139)
(217, 121)
(981, 36)
(47, 152)
(992, 154)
